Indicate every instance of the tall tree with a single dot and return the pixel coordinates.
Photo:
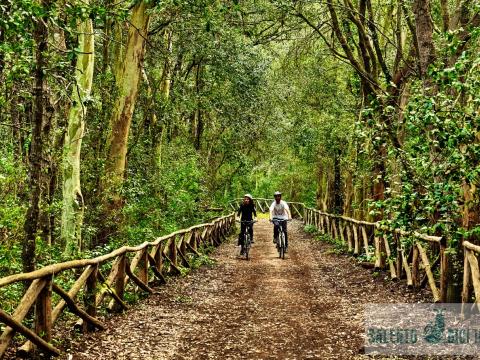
(40, 119)
(73, 205)
(424, 34)
(127, 81)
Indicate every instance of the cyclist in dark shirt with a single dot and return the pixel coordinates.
(246, 212)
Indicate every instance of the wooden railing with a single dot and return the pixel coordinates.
(384, 248)
(471, 272)
(388, 250)
(263, 205)
(131, 269)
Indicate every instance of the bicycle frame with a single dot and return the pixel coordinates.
(281, 245)
(247, 241)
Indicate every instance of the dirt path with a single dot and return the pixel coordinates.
(308, 306)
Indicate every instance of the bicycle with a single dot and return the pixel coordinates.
(247, 240)
(281, 244)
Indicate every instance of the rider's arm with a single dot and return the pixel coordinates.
(254, 211)
(271, 212)
(239, 211)
(287, 209)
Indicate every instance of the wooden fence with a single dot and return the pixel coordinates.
(130, 269)
(401, 253)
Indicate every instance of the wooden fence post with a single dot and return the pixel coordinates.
(159, 258)
(398, 259)
(143, 266)
(43, 311)
(173, 250)
(119, 282)
(204, 236)
(22, 310)
(444, 269)
(341, 229)
(415, 263)
(211, 235)
(406, 267)
(473, 261)
(335, 232)
(197, 235)
(379, 254)
(466, 280)
(365, 241)
(428, 272)
(356, 241)
(349, 238)
(391, 264)
(89, 298)
(216, 237)
(218, 227)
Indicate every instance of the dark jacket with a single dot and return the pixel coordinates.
(247, 212)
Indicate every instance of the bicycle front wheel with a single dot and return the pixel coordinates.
(281, 245)
(247, 246)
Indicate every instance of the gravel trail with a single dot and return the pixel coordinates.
(308, 306)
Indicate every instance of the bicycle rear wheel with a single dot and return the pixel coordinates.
(247, 246)
(281, 245)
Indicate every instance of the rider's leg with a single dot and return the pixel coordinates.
(284, 225)
(250, 230)
(275, 234)
(241, 237)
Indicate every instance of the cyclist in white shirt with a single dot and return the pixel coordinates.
(280, 210)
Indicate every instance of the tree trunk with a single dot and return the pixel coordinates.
(378, 188)
(320, 182)
(445, 15)
(165, 87)
(73, 206)
(36, 164)
(349, 194)
(424, 34)
(337, 185)
(197, 125)
(127, 80)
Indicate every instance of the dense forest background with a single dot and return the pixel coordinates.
(123, 120)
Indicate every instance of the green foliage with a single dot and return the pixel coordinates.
(310, 229)
(241, 97)
(442, 151)
(202, 260)
(339, 247)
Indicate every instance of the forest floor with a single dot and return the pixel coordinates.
(308, 306)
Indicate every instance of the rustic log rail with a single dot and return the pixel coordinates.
(471, 273)
(386, 249)
(130, 269)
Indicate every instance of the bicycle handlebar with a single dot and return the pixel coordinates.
(280, 220)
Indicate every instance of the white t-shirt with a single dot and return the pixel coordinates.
(279, 210)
